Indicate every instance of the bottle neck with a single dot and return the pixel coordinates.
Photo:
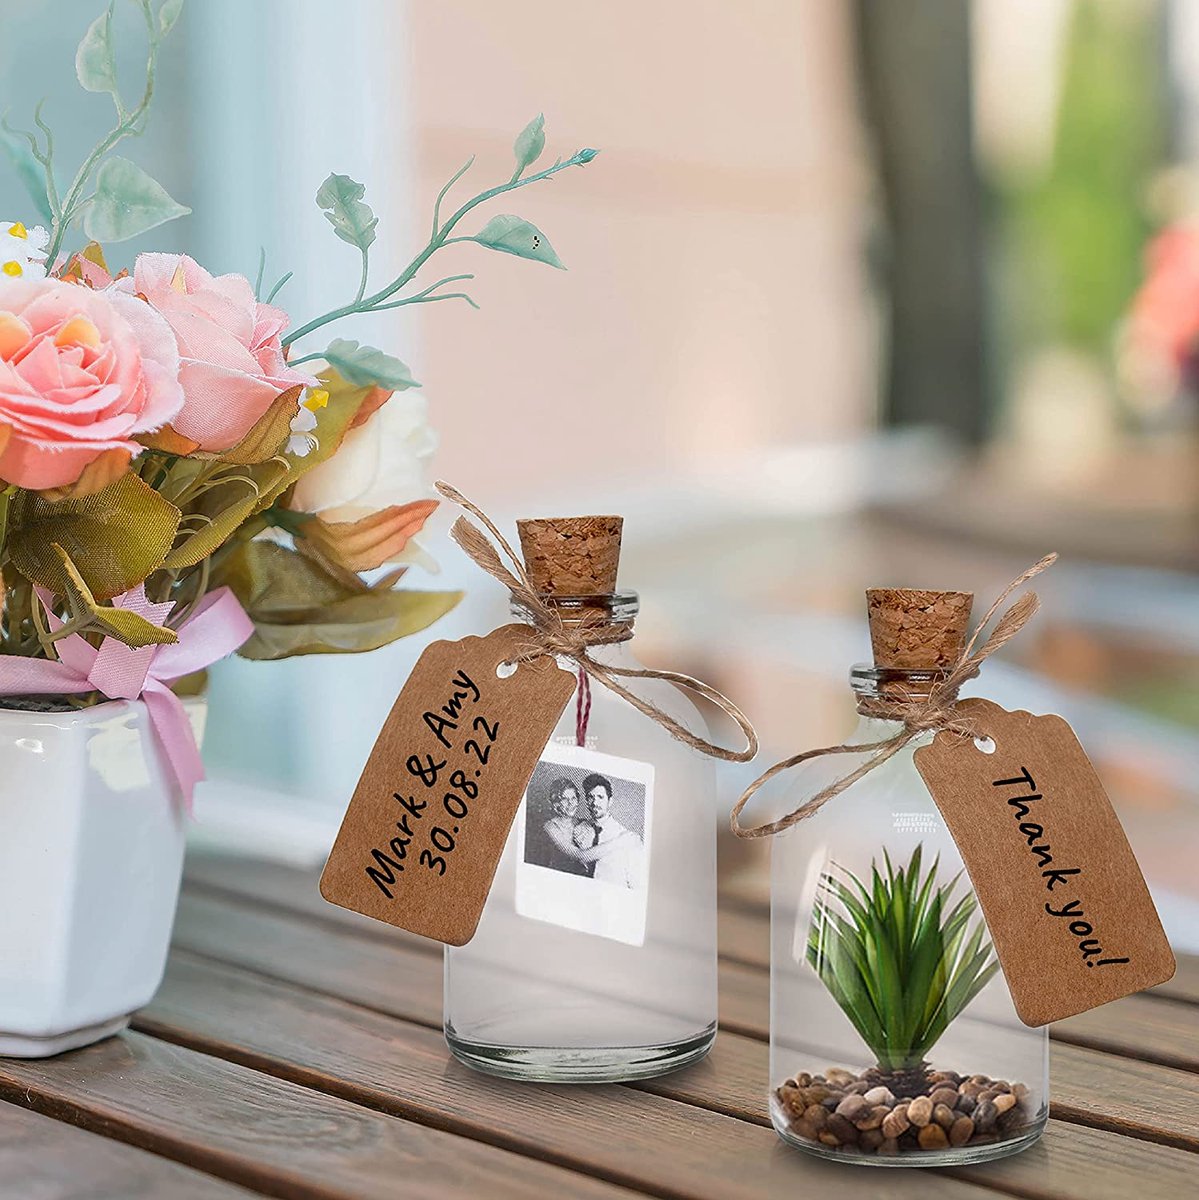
(881, 690)
(608, 616)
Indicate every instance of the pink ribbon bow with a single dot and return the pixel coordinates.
(218, 626)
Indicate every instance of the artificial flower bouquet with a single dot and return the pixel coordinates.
(163, 452)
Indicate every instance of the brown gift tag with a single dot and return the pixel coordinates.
(422, 837)
(1068, 910)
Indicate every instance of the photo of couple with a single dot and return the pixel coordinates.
(588, 825)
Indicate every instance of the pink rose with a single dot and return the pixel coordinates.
(81, 373)
(231, 359)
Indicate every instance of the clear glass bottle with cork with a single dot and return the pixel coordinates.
(894, 1039)
(595, 958)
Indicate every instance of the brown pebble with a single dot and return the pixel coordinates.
(1004, 1101)
(804, 1128)
(896, 1122)
(981, 1080)
(841, 1129)
(970, 1088)
(828, 1139)
(944, 1095)
(817, 1115)
(888, 1146)
(873, 1118)
(1020, 1091)
(988, 1093)
(838, 1075)
(920, 1111)
(933, 1137)
(944, 1115)
(966, 1103)
(880, 1095)
(871, 1140)
(985, 1116)
(803, 1079)
(961, 1131)
(852, 1107)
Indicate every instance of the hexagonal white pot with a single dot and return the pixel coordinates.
(91, 854)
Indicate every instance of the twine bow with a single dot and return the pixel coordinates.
(574, 641)
(936, 711)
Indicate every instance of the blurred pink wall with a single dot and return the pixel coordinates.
(715, 302)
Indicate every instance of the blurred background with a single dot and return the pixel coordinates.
(859, 293)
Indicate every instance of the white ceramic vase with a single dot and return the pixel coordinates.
(91, 853)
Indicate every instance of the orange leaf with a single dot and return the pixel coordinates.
(95, 477)
(373, 540)
(375, 399)
(168, 441)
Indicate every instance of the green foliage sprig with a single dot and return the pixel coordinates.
(125, 200)
(900, 958)
(342, 201)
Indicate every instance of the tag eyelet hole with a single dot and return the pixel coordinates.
(505, 670)
(985, 744)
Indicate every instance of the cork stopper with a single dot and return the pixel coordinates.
(571, 556)
(917, 630)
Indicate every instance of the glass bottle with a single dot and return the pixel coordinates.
(571, 978)
(893, 1038)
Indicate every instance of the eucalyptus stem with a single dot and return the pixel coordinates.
(74, 200)
(374, 303)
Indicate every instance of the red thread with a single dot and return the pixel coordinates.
(582, 708)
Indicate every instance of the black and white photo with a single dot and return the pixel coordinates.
(584, 826)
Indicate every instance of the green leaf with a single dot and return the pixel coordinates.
(128, 627)
(127, 202)
(352, 220)
(28, 170)
(168, 14)
(298, 608)
(529, 143)
(514, 235)
(115, 538)
(364, 366)
(94, 64)
(227, 517)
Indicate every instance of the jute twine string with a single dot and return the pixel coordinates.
(917, 713)
(551, 635)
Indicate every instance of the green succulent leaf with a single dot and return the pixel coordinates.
(353, 221)
(900, 956)
(127, 202)
(514, 235)
(95, 66)
(364, 366)
(530, 142)
(28, 170)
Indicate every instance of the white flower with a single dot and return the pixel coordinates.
(302, 443)
(23, 251)
(380, 463)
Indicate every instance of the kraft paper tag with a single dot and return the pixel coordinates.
(422, 837)
(1067, 907)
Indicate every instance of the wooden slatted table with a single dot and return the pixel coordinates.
(295, 1050)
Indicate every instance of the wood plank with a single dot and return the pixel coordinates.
(393, 978)
(271, 1135)
(638, 1139)
(744, 923)
(44, 1159)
